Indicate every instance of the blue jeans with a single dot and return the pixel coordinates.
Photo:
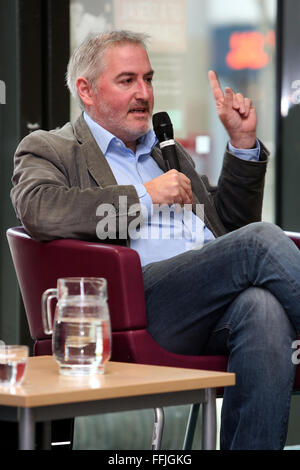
(239, 295)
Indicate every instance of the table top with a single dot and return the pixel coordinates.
(43, 385)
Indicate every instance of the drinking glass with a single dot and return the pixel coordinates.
(13, 361)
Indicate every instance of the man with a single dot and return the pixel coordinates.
(233, 286)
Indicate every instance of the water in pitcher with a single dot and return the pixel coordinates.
(81, 339)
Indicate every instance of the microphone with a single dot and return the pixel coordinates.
(163, 129)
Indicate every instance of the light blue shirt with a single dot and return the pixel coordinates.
(165, 231)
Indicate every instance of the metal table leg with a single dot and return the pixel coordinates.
(26, 429)
(209, 420)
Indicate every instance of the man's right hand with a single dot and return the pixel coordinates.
(237, 114)
(170, 188)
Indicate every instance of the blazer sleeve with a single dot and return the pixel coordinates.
(238, 197)
(51, 203)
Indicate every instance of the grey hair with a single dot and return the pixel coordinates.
(87, 60)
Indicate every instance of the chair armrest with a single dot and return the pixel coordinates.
(38, 265)
(295, 236)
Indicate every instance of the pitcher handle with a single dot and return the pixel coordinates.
(47, 296)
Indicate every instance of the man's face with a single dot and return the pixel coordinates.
(123, 102)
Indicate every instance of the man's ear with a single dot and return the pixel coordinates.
(85, 91)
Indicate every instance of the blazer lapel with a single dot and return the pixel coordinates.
(201, 196)
(157, 155)
(96, 162)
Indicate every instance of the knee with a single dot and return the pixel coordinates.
(265, 231)
(265, 237)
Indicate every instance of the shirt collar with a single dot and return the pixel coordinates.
(104, 138)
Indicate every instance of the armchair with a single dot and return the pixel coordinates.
(39, 265)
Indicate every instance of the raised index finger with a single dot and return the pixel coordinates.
(215, 86)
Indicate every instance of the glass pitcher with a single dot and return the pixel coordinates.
(81, 331)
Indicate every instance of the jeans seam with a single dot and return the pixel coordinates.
(285, 421)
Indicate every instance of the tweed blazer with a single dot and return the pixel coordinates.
(61, 177)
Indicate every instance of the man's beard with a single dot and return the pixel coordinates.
(124, 130)
(120, 126)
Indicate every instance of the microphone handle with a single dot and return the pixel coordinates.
(169, 155)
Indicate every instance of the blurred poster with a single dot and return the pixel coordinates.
(164, 20)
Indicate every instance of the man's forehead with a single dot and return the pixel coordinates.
(126, 58)
(124, 50)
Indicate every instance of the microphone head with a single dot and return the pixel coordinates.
(162, 126)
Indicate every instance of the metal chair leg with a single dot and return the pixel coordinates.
(191, 426)
(159, 421)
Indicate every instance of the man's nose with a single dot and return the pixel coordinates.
(143, 90)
